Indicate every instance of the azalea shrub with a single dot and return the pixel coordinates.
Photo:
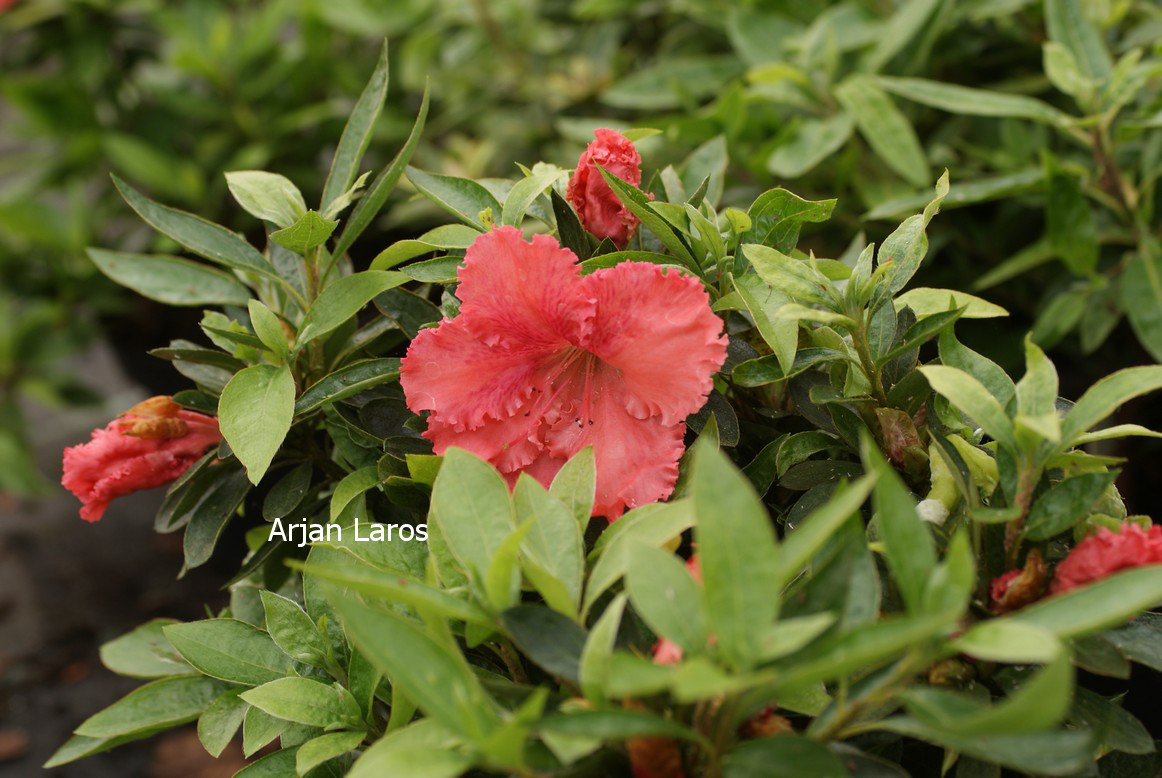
(603, 478)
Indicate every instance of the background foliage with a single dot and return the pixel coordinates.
(1054, 157)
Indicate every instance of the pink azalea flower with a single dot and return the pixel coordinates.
(598, 208)
(543, 362)
(149, 446)
(1103, 554)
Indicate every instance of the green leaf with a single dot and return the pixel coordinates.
(594, 668)
(794, 277)
(441, 270)
(920, 333)
(397, 586)
(292, 629)
(280, 764)
(954, 354)
(1010, 641)
(460, 197)
(1119, 729)
(347, 381)
(287, 492)
(1141, 292)
(1067, 24)
(309, 231)
(157, 705)
(220, 722)
(356, 134)
(259, 729)
(767, 370)
(979, 190)
(777, 215)
(1040, 703)
(1106, 396)
(639, 204)
(813, 532)
(437, 679)
(813, 141)
(1065, 504)
(306, 701)
(665, 595)
(447, 236)
(472, 508)
(861, 648)
(1097, 606)
(255, 413)
(352, 485)
(554, 642)
(971, 398)
(267, 196)
(973, 102)
(144, 653)
(372, 201)
(738, 555)
(653, 524)
(575, 485)
(420, 750)
(206, 239)
(616, 725)
(906, 247)
(786, 756)
(268, 328)
(170, 280)
(553, 540)
(569, 229)
(925, 301)
(899, 31)
(325, 747)
(216, 505)
(1034, 255)
(1069, 221)
(1057, 753)
(230, 650)
(884, 127)
(343, 299)
(763, 302)
(671, 83)
(908, 546)
(524, 193)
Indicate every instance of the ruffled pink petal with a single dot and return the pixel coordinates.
(528, 294)
(114, 464)
(657, 329)
(637, 459)
(510, 444)
(452, 372)
(598, 208)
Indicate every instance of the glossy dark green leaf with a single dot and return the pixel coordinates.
(552, 641)
(204, 238)
(170, 280)
(356, 134)
(376, 195)
(1065, 504)
(157, 705)
(230, 650)
(347, 381)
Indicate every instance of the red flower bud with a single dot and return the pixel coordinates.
(600, 211)
(148, 446)
(1105, 553)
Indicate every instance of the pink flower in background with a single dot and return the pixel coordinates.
(542, 362)
(150, 445)
(600, 211)
(1105, 553)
